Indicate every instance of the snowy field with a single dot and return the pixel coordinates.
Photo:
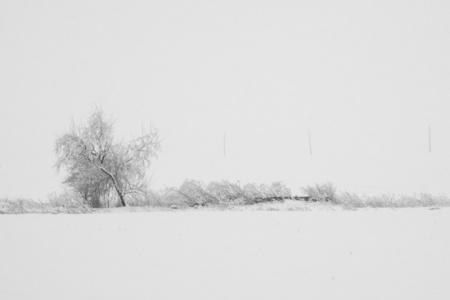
(319, 254)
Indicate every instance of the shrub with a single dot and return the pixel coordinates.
(226, 193)
(321, 192)
(279, 189)
(167, 198)
(68, 201)
(194, 193)
(264, 193)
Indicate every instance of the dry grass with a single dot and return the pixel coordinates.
(351, 201)
(27, 206)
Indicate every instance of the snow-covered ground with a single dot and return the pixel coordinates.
(319, 254)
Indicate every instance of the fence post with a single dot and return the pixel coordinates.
(309, 138)
(224, 145)
(429, 139)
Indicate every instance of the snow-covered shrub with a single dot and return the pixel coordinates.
(321, 192)
(279, 189)
(195, 193)
(265, 193)
(68, 201)
(226, 192)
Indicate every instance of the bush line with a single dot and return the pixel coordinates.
(224, 194)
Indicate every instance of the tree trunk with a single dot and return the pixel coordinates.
(119, 192)
(116, 186)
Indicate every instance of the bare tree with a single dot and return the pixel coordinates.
(96, 164)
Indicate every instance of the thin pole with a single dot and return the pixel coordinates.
(429, 138)
(309, 138)
(224, 144)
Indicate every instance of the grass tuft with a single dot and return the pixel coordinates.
(351, 200)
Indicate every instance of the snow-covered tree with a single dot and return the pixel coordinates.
(96, 164)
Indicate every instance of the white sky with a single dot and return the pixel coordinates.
(367, 78)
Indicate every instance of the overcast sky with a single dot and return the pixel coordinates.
(366, 78)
